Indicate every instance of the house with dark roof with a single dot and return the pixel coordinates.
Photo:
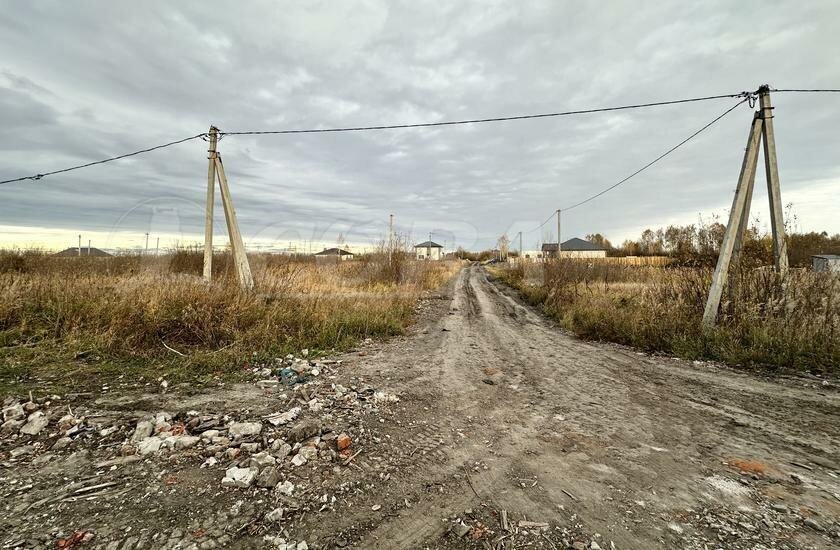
(428, 250)
(76, 251)
(574, 248)
(333, 255)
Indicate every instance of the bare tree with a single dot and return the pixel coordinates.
(503, 244)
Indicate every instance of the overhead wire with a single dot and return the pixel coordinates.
(483, 120)
(646, 166)
(540, 226)
(103, 161)
(746, 95)
(811, 90)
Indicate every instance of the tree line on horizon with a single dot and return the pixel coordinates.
(699, 244)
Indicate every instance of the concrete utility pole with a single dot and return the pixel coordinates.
(777, 221)
(208, 209)
(730, 250)
(429, 247)
(390, 237)
(80, 245)
(216, 171)
(520, 245)
(88, 252)
(146, 253)
(559, 240)
(157, 246)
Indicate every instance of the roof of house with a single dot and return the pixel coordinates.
(572, 245)
(334, 252)
(827, 256)
(74, 251)
(428, 244)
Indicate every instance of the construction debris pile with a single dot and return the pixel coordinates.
(315, 434)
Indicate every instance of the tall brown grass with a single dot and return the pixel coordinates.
(660, 310)
(136, 306)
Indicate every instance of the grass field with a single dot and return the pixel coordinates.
(67, 319)
(659, 310)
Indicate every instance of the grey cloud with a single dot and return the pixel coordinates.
(86, 81)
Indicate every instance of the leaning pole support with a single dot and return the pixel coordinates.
(762, 127)
(216, 170)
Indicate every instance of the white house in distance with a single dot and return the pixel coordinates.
(428, 250)
(333, 255)
(574, 248)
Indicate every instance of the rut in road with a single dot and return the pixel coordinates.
(620, 442)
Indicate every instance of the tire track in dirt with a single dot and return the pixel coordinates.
(603, 423)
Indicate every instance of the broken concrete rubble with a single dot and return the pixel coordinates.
(269, 477)
(260, 460)
(186, 441)
(149, 445)
(279, 419)
(143, 430)
(281, 451)
(35, 422)
(275, 515)
(304, 430)
(285, 488)
(13, 412)
(280, 455)
(239, 477)
(252, 447)
(66, 422)
(244, 429)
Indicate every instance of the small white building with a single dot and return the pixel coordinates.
(574, 248)
(826, 262)
(333, 255)
(428, 250)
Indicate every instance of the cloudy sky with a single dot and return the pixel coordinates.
(82, 81)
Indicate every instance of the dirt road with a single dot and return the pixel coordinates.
(500, 414)
(645, 451)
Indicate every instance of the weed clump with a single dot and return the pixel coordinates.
(135, 307)
(659, 309)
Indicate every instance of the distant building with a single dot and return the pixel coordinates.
(574, 248)
(826, 262)
(333, 255)
(85, 251)
(428, 251)
(532, 255)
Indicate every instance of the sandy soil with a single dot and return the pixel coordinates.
(500, 413)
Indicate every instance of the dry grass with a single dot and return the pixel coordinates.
(659, 309)
(131, 308)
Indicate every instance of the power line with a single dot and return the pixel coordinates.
(648, 165)
(103, 161)
(657, 159)
(383, 127)
(38, 176)
(812, 90)
(482, 120)
(550, 216)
